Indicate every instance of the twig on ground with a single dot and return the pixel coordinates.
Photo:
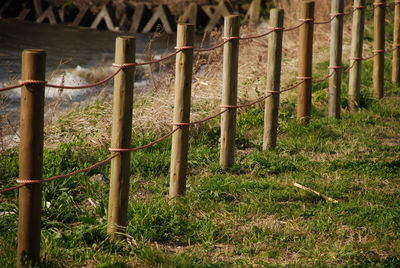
(315, 192)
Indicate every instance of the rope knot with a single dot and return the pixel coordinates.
(27, 82)
(124, 65)
(379, 4)
(180, 124)
(226, 106)
(230, 38)
(335, 67)
(276, 28)
(333, 15)
(118, 150)
(304, 77)
(19, 181)
(183, 48)
(307, 20)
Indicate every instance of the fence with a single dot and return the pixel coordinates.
(32, 103)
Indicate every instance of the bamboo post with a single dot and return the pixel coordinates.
(335, 61)
(181, 118)
(121, 135)
(229, 91)
(304, 92)
(379, 48)
(396, 45)
(356, 54)
(273, 79)
(31, 157)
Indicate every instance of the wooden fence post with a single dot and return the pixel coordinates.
(183, 86)
(273, 79)
(335, 62)
(379, 48)
(229, 91)
(356, 54)
(121, 135)
(396, 46)
(304, 92)
(31, 157)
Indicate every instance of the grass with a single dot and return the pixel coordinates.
(250, 215)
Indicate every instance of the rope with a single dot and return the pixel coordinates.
(378, 4)
(180, 124)
(115, 151)
(178, 49)
(325, 78)
(26, 182)
(145, 146)
(35, 82)
(230, 38)
(294, 27)
(118, 151)
(88, 85)
(359, 7)
(351, 66)
(306, 20)
(325, 22)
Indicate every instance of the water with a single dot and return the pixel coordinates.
(66, 47)
(72, 55)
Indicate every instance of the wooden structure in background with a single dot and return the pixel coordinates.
(146, 15)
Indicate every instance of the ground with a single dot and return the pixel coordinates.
(249, 215)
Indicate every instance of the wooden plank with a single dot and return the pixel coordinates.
(4, 8)
(38, 8)
(104, 14)
(48, 14)
(223, 9)
(61, 15)
(190, 14)
(163, 14)
(22, 15)
(79, 17)
(137, 18)
(254, 12)
(209, 10)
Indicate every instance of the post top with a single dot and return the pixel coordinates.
(125, 37)
(34, 51)
(232, 16)
(185, 25)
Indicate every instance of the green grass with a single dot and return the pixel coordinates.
(250, 215)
